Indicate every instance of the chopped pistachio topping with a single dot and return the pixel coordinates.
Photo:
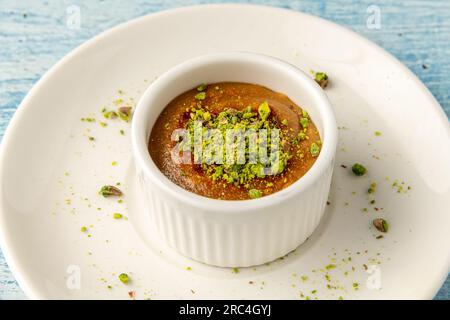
(88, 119)
(110, 114)
(372, 188)
(381, 225)
(322, 79)
(302, 136)
(285, 122)
(304, 122)
(358, 169)
(264, 110)
(124, 113)
(206, 116)
(254, 193)
(117, 215)
(377, 133)
(235, 120)
(83, 229)
(118, 101)
(200, 95)
(315, 149)
(109, 191)
(202, 87)
(123, 277)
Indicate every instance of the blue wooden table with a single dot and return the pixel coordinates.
(34, 35)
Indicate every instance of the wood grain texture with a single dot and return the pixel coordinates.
(34, 36)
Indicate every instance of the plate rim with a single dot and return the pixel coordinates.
(26, 284)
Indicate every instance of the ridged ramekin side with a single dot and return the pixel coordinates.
(238, 240)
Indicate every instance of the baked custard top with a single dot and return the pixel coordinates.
(233, 141)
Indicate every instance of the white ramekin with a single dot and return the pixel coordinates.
(235, 233)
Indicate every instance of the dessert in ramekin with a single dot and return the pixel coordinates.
(249, 212)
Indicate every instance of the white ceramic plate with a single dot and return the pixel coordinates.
(51, 171)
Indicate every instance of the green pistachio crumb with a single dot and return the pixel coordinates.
(202, 87)
(381, 225)
(110, 114)
(264, 110)
(315, 149)
(372, 188)
(322, 79)
(206, 116)
(108, 191)
(235, 270)
(304, 122)
(302, 136)
(88, 119)
(200, 96)
(255, 193)
(285, 122)
(122, 132)
(118, 101)
(91, 138)
(124, 113)
(123, 277)
(117, 215)
(103, 124)
(377, 133)
(358, 169)
(83, 229)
